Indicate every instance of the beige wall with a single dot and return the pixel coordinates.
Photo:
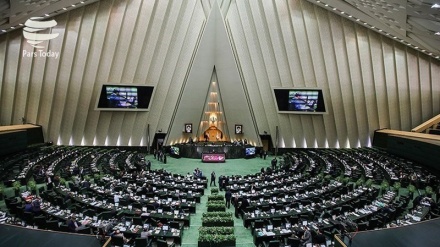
(369, 81)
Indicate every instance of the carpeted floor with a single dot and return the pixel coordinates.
(230, 167)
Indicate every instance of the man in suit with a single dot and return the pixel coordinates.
(306, 238)
(228, 196)
(212, 178)
(73, 224)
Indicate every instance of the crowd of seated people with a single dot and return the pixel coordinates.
(293, 190)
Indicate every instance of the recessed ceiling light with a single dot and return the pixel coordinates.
(21, 24)
(4, 31)
(46, 14)
(82, 2)
(73, 5)
(334, 8)
(65, 8)
(350, 16)
(342, 12)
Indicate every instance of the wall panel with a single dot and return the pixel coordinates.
(369, 80)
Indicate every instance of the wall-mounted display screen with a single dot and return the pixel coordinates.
(120, 97)
(301, 101)
(175, 150)
(250, 151)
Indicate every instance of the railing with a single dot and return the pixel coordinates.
(426, 125)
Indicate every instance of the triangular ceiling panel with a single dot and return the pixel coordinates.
(214, 51)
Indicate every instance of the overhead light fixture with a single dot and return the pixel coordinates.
(46, 14)
(437, 33)
(435, 6)
(65, 8)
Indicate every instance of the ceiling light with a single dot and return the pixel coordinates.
(4, 31)
(73, 5)
(435, 6)
(437, 33)
(65, 8)
(350, 16)
(46, 14)
(334, 8)
(342, 12)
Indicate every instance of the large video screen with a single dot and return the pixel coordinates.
(302, 101)
(175, 150)
(124, 98)
(250, 151)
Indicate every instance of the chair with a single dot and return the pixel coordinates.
(52, 225)
(276, 222)
(163, 243)
(28, 218)
(142, 242)
(174, 224)
(40, 221)
(293, 242)
(259, 224)
(138, 221)
(117, 241)
(273, 243)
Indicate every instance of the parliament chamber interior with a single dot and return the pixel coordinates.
(216, 123)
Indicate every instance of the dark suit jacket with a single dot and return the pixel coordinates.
(71, 225)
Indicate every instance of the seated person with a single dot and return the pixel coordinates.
(36, 206)
(73, 225)
(319, 239)
(28, 206)
(306, 237)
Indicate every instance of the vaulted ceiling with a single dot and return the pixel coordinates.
(412, 22)
(370, 80)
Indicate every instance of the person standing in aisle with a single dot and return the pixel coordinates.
(212, 178)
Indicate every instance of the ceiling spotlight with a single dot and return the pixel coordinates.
(435, 6)
(4, 31)
(65, 8)
(342, 12)
(46, 14)
(73, 5)
(437, 33)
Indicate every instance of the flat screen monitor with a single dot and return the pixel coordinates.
(124, 97)
(175, 150)
(250, 151)
(299, 100)
(269, 227)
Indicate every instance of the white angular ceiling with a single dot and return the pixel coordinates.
(412, 22)
(13, 13)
